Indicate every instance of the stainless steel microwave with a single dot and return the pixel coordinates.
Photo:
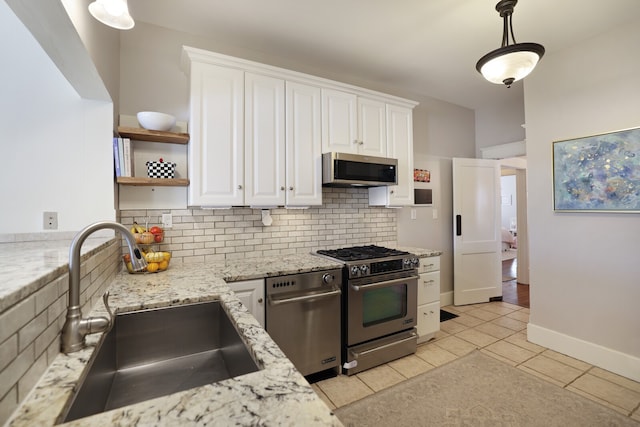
(351, 170)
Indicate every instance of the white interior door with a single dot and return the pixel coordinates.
(477, 270)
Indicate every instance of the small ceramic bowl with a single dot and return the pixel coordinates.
(152, 120)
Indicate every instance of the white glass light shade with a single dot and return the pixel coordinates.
(511, 63)
(114, 13)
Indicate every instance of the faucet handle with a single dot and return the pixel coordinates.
(105, 300)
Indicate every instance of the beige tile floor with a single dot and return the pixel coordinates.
(498, 329)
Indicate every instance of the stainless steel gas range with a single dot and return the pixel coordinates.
(379, 305)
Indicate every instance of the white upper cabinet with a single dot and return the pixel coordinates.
(352, 124)
(264, 144)
(339, 121)
(304, 145)
(399, 146)
(258, 132)
(216, 151)
(372, 133)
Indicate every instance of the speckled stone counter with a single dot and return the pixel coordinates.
(27, 266)
(420, 252)
(275, 395)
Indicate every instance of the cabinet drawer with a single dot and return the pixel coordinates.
(429, 287)
(428, 320)
(429, 264)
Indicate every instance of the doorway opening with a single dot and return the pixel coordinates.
(515, 256)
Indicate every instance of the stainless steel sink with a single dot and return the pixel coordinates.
(154, 353)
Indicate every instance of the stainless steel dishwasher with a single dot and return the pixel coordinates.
(303, 316)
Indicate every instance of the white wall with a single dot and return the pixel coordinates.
(501, 123)
(585, 273)
(57, 145)
(441, 131)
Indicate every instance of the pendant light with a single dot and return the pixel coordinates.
(114, 13)
(510, 62)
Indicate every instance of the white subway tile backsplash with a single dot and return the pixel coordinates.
(344, 219)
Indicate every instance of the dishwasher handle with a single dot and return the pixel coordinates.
(383, 284)
(303, 298)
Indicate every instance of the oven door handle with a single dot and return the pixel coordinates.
(357, 354)
(304, 298)
(382, 284)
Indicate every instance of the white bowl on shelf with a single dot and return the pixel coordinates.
(153, 120)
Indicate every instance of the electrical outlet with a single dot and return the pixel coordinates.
(167, 220)
(50, 221)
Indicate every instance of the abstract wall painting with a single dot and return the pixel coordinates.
(599, 173)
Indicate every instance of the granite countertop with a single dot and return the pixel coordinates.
(277, 394)
(26, 267)
(420, 252)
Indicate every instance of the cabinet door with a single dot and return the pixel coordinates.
(216, 154)
(339, 122)
(399, 146)
(372, 134)
(304, 145)
(251, 293)
(264, 144)
(428, 321)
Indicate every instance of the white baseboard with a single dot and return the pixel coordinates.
(612, 360)
(446, 299)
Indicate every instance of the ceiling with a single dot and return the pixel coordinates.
(424, 47)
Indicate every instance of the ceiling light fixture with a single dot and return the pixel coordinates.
(114, 13)
(510, 62)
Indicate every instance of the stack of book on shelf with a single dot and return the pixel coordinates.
(122, 157)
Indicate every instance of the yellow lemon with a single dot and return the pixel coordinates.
(152, 267)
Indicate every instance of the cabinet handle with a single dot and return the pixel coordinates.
(260, 301)
(290, 188)
(239, 187)
(392, 191)
(355, 141)
(281, 188)
(361, 142)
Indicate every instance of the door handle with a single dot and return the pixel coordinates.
(303, 298)
(458, 225)
(383, 284)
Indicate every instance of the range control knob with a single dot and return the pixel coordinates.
(364, 269)
(328, 278)
(355, 270)
(406, 262)
(415, 262)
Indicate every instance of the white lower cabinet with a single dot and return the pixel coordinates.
(251, 293)
(400, 147)
(428, 298)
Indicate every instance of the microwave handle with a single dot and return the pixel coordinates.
(383, 284)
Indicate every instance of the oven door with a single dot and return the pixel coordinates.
(381, 306)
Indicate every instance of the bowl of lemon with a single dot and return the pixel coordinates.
(156, 262)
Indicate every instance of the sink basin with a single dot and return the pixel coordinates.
(153, 353)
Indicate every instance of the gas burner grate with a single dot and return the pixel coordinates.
(357, 253)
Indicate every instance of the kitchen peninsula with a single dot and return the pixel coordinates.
(277, 394)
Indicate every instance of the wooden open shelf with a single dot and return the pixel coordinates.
(140, 134)
(151, 182)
